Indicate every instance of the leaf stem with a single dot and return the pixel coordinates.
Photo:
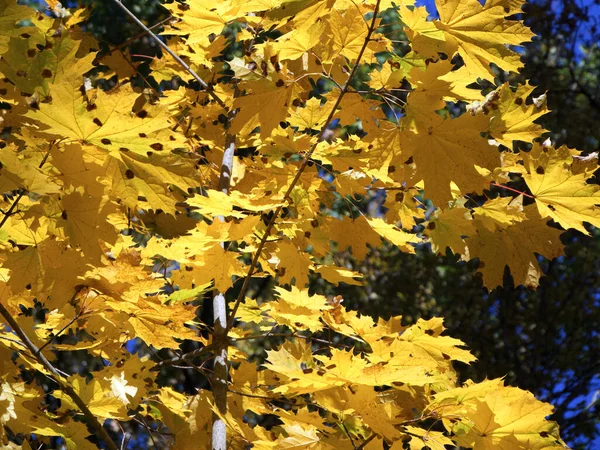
(525, 194)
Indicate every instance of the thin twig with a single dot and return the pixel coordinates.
(14, 341)
(142, 422)
(364, 444)
(10, 212)
(300, 171)
(65, 387)
(82, 311)
(174, 55)
(139, 35)
(288, 335)
(348, 434)
(264, 397)
(186, 357)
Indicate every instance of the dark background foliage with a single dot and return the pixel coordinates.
(546, 340)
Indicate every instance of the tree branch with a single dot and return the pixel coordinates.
(180, 61)
(65, 387)
(186, 357)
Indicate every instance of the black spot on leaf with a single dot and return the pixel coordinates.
(97, 121)
(106, 141)
(157, 146)
(129, 174)
(142, 114)
(46, 73)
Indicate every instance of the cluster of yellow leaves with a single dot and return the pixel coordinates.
(113, 220)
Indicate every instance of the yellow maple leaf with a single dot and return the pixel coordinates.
(480, 34)
(217, 203)
(399, 238)
(199, 20)
(98, 397)
(10, 15)
(311, 116)
(214, 263)
(515, 246)
(108, 122)
(512, 119)
(20, 171)
(447, 151)
(157, 324)
(299, 41)
(496, 417)
(561, 193)
(425, 38)
(447, 229)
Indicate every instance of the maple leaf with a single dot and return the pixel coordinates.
(346, 32)
(41, 267)
(311, 116)
(199, 20)
(562, 194)
(512, 118)
(480, 34)
(217, 264)
(217, 203)
(498, 417)
(153, 322)
(24, 172)
(299, 41)
(425, 38)
(108, 122)
(10, 15)
(516, 245)
(264, 105)
(447, 229)
(84, 216)
(100, 400)
(447, 151)
(296, 309)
